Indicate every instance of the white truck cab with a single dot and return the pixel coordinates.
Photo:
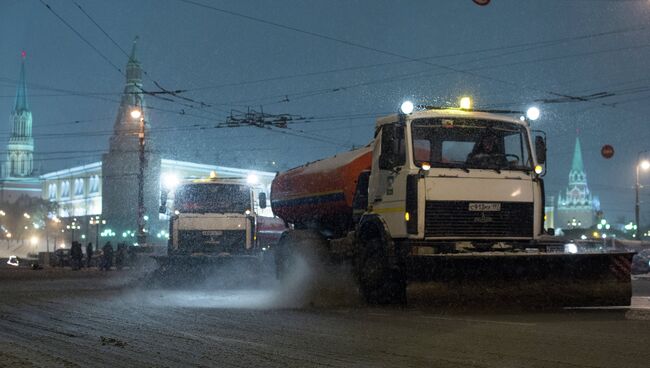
(452, 175)
(213, 216)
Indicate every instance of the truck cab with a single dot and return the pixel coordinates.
(444, 178)
(213, 217)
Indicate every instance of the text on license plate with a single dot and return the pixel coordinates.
(212, 232)
(485, 207)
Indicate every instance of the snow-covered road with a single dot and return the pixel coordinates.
(87, 318)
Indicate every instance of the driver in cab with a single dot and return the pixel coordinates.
(486, 152)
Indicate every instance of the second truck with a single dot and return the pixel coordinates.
(452, 197)
(215, 222)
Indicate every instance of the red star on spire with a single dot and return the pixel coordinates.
(23, 54)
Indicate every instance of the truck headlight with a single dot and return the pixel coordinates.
(465, 103)
(570, 248)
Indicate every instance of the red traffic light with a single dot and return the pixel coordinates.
(607, 151)
(481, 2)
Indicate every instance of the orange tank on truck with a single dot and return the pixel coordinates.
(321, 191)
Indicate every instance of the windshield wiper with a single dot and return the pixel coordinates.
(454, 165)
(464, 168)
(497, 169)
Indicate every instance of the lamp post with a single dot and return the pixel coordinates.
(97, 222)
(138, 113)
(643, 165)
(74, 226)
(55, 221)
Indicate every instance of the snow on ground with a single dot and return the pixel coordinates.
(64, 318)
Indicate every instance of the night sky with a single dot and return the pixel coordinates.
(340, 63)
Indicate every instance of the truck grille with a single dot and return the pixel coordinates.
(198, 241)
(454, 219)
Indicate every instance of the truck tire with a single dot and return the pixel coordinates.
(307, 244)
(379, 283)
(282, 257)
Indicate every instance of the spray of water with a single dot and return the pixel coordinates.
(310, 283)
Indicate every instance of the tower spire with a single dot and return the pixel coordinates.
(577, 164)
(132, 58)
(133, 69)
(20, 150)
(21, 92)
(576, 205)
(125, 127)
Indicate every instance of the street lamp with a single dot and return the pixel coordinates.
(138, 113)
(643, 165)
(97, 222)
(74, 226)
(55, 221)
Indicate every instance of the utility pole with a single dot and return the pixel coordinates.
(636, 205)
(46, 259)
(644, 165)
(138, 113)
(96, 221)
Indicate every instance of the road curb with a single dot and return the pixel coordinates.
(638, 314)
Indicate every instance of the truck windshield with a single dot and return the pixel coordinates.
(471, 144)
(212, 198)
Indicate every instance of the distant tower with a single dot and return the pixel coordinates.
(19, 162)
(576, 201)
(120, 166)
(17, 178)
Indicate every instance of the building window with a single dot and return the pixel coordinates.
(78, 187)
(94, 184)
(51, 191)
(65, 189)
(14, 165)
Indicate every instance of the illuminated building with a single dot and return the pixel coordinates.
(18, 177)
(576, 204)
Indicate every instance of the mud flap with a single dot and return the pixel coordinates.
(538, 280)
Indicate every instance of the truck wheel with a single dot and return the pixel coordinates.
(283, 257)
(379, 282)
(306, 244)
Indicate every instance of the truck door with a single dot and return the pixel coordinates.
(387, 186)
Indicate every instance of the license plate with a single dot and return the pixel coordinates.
(212, 233)
(485, 207)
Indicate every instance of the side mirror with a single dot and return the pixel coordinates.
(262, 200)
(540, 149)
(386, 162)
(163, 202)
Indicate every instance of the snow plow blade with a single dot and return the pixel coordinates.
(538, 280)
(205, 271)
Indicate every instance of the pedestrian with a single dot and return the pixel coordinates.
(120, 256)
(132, 256)
(76, 255)
(89, 254)
(107, 256)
